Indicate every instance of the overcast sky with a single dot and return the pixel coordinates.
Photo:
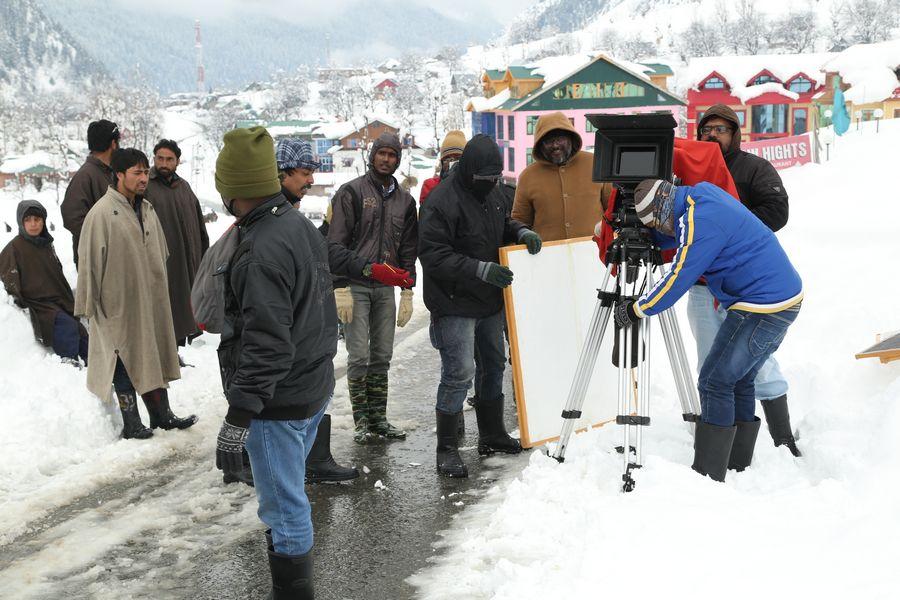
(305, 11)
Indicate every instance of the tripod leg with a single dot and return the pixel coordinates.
(585, 369)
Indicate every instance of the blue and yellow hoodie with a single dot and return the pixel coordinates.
(720, 239)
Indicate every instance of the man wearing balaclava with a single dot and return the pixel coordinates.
(463, 225)
(374, 217)
(749, 274)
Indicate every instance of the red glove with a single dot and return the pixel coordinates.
(388, 275)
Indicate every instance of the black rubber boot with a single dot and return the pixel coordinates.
(133, 428)
(449, 462)
(492, 436)
(461, 426)
(320, 464)
(712, 449)
(157, 403)
(245, 475)
(292, 576)
(779, 421)
(744, 442)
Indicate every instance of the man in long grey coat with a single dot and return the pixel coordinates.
(122, 290)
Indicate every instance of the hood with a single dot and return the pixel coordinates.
(44, 237)
(481, 156)
(552, 122)
(723, 112)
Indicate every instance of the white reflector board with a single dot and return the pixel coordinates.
(548, 310)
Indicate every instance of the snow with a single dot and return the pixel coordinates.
(17, 164)
(739, 70)
(869, 69)
(824, 526)
(754, 91)
(334, 131)
(482, 104)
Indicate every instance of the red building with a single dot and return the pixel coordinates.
(773, 95)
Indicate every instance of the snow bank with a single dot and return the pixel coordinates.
(869, 69)
(823, 526)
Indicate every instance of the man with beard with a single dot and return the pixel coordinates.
(555, 195)
(761, 190)
(375, 218)
(122, 289)
(92, 179)
(182, 221)
(464, 223)
(33, 277)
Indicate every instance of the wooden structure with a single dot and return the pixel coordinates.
(886, 348)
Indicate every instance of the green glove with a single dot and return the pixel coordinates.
(531, 240)
(495, 274)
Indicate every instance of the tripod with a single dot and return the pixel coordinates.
(636, 257)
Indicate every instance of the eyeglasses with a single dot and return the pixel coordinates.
(719, 129)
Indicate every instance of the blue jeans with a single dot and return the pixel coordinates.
(278, 451)
(705, 320)
(67, 339)
(744, 343)
(457, 339)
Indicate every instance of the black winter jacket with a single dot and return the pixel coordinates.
(457, 230)
(759, 186)
(280, 330)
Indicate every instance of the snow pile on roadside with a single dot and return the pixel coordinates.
(824, 526)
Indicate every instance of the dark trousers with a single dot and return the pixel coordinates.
(743, 344)
(68, 341)
(121, 380)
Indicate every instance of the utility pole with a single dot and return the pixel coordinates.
(198, 51)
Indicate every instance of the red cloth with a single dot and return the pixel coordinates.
(693, 163)
(427, 186)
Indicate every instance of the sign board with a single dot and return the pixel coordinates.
(548, 311)
(783, 152)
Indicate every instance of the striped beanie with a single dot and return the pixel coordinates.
(453, 143)
(654, 201)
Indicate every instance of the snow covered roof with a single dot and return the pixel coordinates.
(334, 131)
(870, 69)
(753, 91)
(739, 70)
(482, 104)
(21, 164)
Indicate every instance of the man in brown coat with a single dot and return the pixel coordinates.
(92, 179)
(33, 276)
(182, 222)
(122, 289)
(556, 196)
(375, 218)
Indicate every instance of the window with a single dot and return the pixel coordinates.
(742, 117)
(868, 114)
(589, 127)
(529, 157)
(530, 123)
(762, 79)
(511, 159)
(770, 118)
(499, 127)
(511, 127)
(714, 83)
(799, 125)
(800, 85)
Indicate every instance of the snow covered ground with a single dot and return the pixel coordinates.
(823, 526)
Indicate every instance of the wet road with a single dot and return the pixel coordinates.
(174, 531)
(369, 540)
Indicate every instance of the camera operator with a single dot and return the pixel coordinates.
(751, 277)
(760, 189)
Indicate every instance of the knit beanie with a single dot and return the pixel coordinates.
(654, 201)
(246, 165)
(385, 140)
(453, 143)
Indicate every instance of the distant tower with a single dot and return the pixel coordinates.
(198, 50)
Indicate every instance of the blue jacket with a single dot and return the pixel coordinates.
(719, 238)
